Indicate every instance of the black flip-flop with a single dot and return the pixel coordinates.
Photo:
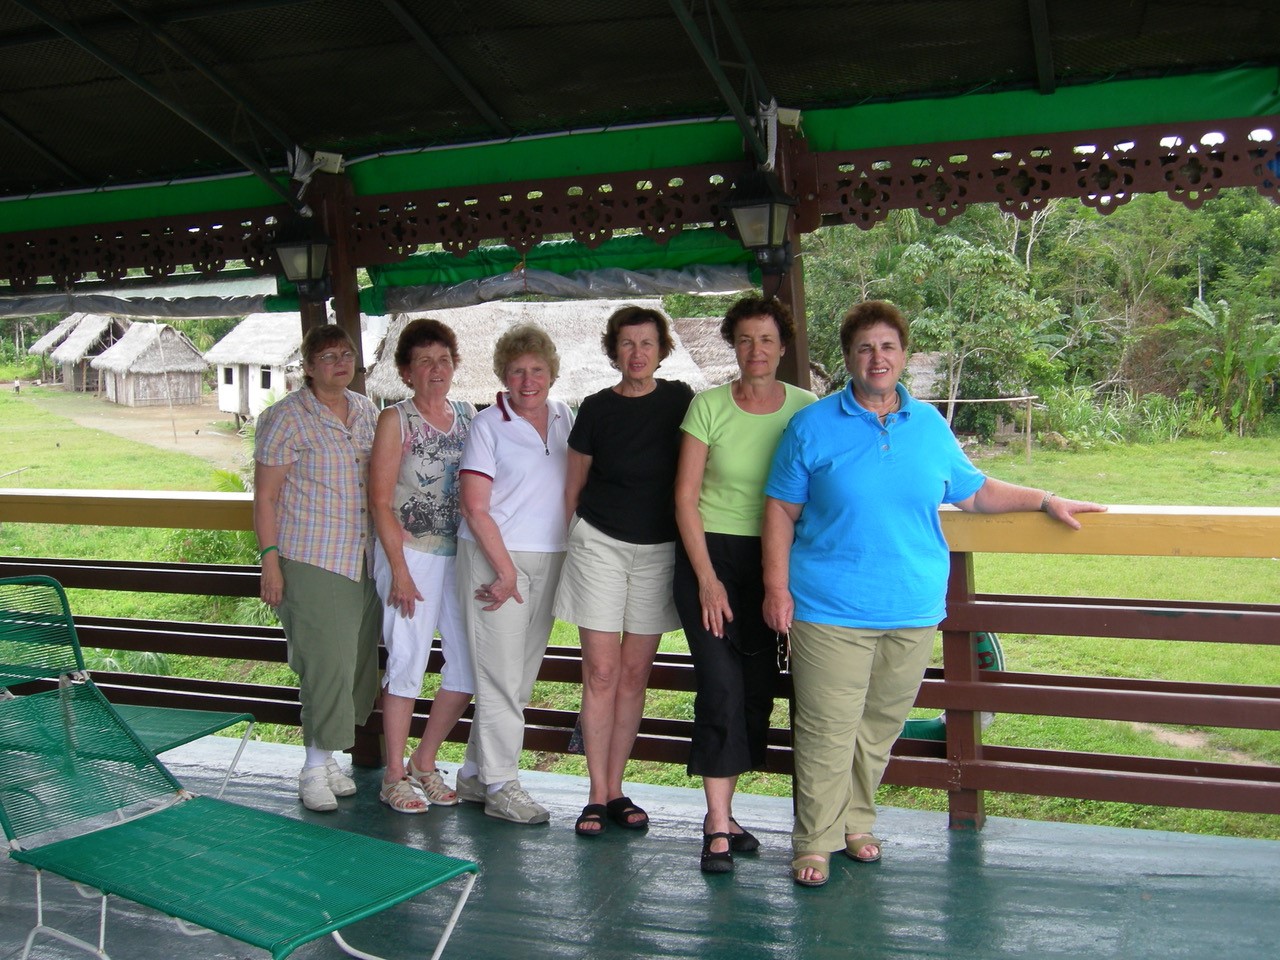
(591, 813)
(622, 810)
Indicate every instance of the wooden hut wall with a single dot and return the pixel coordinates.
(181, 388)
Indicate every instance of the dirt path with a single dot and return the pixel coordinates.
(199, 430)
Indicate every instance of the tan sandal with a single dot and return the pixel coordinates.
(856, 843)
(818, 862)
(432, 785)
(403, 797)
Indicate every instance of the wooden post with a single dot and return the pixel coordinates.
(1029, 399)
(795, 170)
(329, 194)
(794, 367)
(964, 727)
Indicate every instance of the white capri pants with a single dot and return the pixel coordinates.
(408, 640)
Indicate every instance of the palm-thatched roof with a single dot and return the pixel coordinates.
(701, 335)
(926, 375)
(260, 339)
(151, 348)
(574, 325)
(88, 333)
(55, 336)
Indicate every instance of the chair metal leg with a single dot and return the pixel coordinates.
(41, 930)
(235, 761)
(444, 936)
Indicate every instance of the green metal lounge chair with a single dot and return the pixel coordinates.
(38, 642)
(81, 797)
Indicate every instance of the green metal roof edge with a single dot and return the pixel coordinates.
(560, 155)
(144, 202)
(1228, 94)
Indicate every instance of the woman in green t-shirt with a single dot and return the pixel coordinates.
(730, 433)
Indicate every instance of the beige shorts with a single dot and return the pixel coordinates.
(612, 586)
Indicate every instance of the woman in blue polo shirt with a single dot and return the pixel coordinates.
(855, 570)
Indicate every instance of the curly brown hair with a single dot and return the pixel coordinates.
(867, 314)
(749, 307)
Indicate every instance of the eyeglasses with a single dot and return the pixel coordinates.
(330, 358)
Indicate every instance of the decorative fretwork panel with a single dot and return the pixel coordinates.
(1103, 168)
(659, 203)
(205, 243)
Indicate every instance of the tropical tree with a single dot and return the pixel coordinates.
(844, 265)
(1232, 356)
(970, 302)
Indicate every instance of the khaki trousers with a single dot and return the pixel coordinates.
(507, 647)
(853, 691)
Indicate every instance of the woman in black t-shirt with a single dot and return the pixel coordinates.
(616, 582)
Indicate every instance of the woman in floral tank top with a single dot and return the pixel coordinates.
(413, 496)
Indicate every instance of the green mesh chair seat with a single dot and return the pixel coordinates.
(260, 878)
(69, 765)
(38, 642)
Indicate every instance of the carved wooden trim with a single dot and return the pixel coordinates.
(1189, 161)
(205, 243)
(1103, 168)
(658, 203)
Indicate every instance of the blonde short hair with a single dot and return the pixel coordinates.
(521, 339)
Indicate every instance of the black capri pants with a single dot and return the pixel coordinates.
(735, 675)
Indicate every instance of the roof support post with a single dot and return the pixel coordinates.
(330, 195)
(794, 367)
(791, 163)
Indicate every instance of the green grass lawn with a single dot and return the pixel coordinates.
(1225, 472)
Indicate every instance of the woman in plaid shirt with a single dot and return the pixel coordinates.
(310, 513)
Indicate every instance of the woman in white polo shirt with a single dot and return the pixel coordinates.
(511, 545)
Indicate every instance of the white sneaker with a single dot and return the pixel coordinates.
(314, 790)
(339, 782)
(512, 803)
(469, 789)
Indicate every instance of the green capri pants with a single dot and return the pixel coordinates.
(333, 626)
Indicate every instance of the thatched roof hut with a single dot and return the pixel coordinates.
(701, 335)
(151, 365)
(93, 335)
(574, 325)
(260, 339)
(254, 361)
(926, 375)
(54, 337)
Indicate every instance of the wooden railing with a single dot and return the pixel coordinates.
(962, 765)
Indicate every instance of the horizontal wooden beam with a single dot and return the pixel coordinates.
(1122, 531)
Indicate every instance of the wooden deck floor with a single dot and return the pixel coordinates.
(1017, 889)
